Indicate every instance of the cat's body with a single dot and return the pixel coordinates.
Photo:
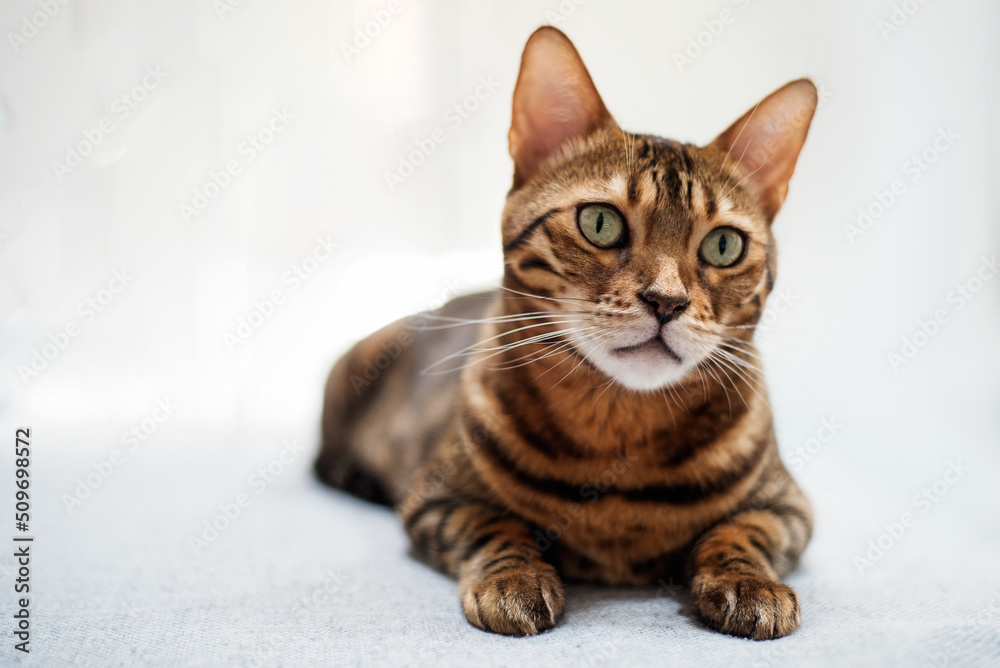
(610, 423)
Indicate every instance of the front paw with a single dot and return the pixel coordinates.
(522, 601)
(746, 605)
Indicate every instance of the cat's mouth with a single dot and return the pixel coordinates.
(655, 345)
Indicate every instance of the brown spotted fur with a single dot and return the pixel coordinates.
(533, 466)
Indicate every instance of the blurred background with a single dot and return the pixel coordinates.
(204, 202)
(357, 108)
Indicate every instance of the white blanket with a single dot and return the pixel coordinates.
(307, 576)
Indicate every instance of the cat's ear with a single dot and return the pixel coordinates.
(555, 101)
(766, 141)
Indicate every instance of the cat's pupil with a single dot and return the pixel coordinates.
(600, 222)
(722, 244)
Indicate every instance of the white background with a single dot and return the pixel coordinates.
(887, 96)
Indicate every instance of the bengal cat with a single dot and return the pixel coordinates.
(609, 422)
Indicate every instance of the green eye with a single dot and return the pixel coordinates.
(602, 225)
(723, 247)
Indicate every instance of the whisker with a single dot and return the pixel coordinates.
(704, 386)
(732, 357)
(720, 364)
(736, 349)
(666, 399)
(499, 350)
(605, 386)
(531, 339)
(473, 348)
(582, 359)
(608, 385)
(750, 348)
(565, 300)
(601, 336)
(730, 361)
(710, 370)
(458, 322)
(536, 355)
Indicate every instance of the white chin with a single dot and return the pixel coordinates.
(647, 367)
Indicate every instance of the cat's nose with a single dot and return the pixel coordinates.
(664, 306)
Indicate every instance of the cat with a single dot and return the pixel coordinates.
(610, 422)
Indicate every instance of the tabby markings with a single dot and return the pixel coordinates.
(680, 494)
(526, 232)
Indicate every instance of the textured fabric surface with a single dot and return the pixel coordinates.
(307, 576)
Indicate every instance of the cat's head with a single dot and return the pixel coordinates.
(659, 253)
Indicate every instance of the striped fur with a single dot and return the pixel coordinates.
(534, 463)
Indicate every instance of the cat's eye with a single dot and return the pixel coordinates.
(722, 247)
(602, 225)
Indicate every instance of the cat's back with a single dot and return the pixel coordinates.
(391, 396)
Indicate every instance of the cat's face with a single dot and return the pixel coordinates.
(656, 254)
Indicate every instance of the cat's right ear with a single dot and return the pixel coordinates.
(555, 101)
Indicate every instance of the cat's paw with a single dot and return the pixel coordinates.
(746, 606)
(517, 602)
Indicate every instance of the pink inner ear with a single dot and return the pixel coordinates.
(766, 141)
(554, 117)
(555, 101)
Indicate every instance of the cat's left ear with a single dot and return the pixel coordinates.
(766, 141)
(555, 101)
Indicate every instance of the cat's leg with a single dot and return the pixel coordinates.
(736, 565)
(504, 584)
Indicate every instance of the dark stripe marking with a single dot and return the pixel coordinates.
(537, 263)
(524, 287)
(499, 560)
(685, 158)
(783, 512)
(645, 150)
(526, 232)
(673, 494)
(764, 552)
(710, 206)
(428, 507)
(479, 544)
(728, 563)
(542, 435)
(441, 526)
